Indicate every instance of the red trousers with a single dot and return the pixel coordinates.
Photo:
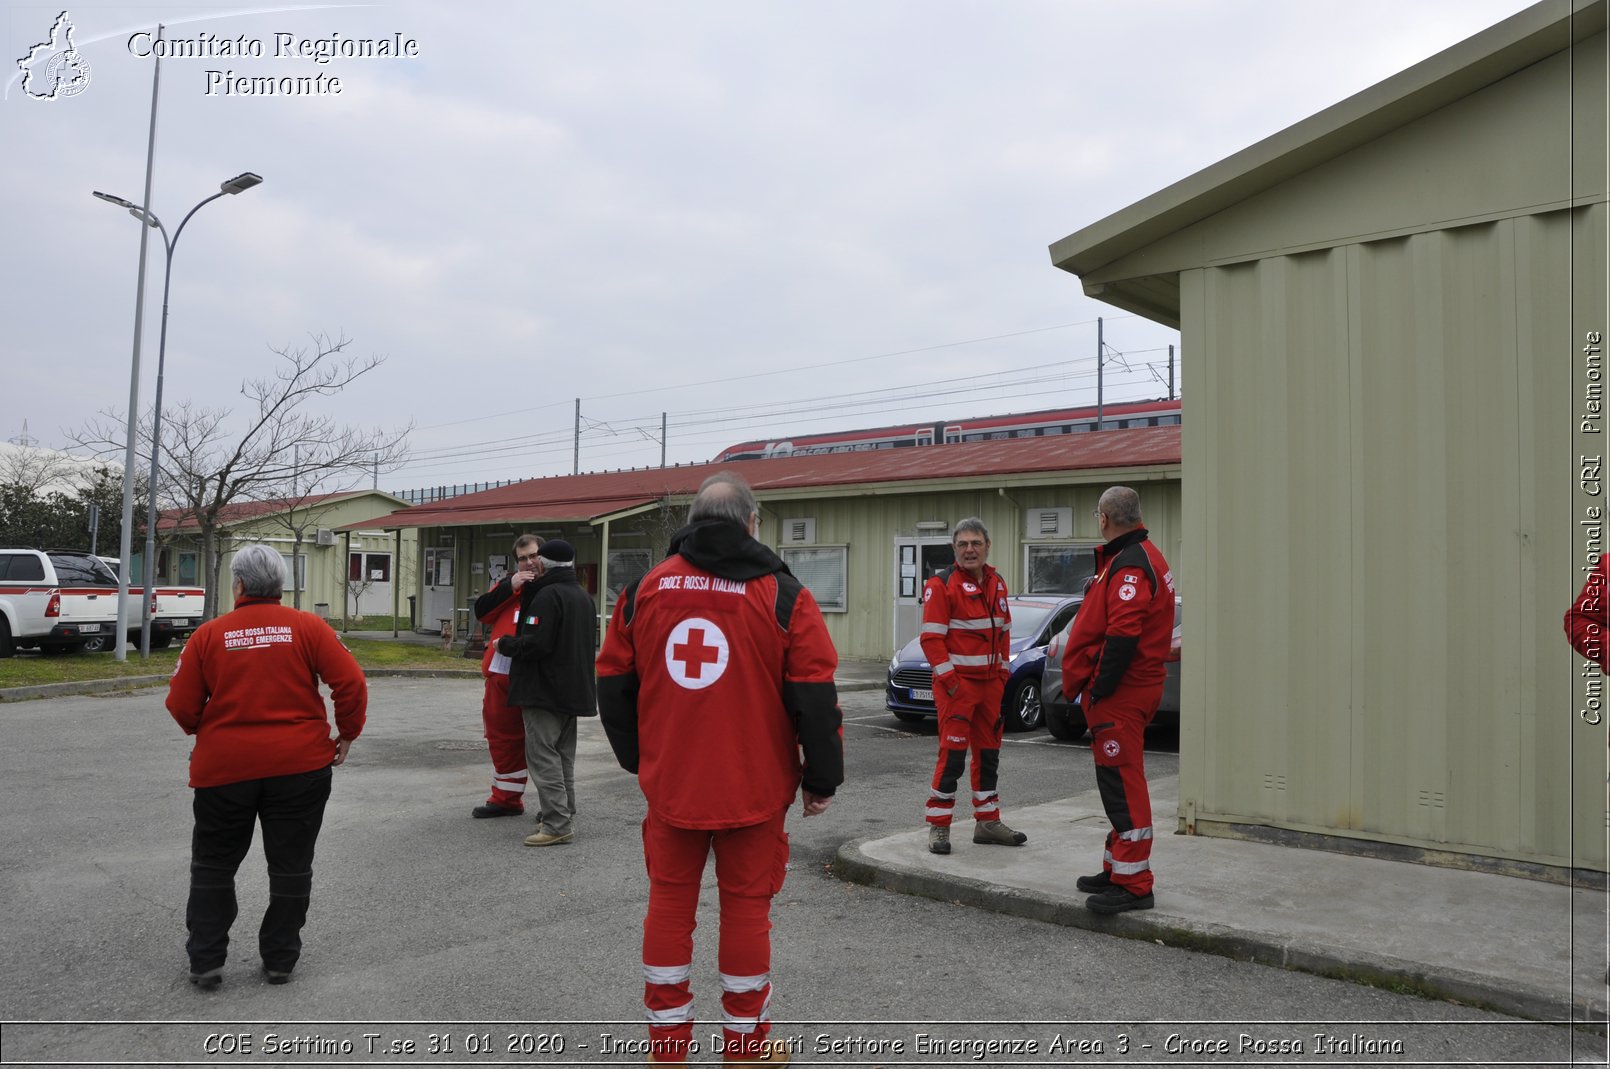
(969, 720)
(505, 738)
(750, 865)
(1118, 740)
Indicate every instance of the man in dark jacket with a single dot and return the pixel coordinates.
(716, 688)
(551, 680)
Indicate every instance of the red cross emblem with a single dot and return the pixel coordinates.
(696, 653)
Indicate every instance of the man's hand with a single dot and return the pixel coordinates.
(815, 803)
(521, 578)
(341, 748)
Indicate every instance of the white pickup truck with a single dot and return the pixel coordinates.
(54, 600)
(176, 612)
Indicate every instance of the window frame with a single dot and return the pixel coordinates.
(839, 551)
(1061, 544)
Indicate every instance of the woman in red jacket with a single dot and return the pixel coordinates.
(247, 687)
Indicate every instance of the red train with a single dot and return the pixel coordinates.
(1158, 413)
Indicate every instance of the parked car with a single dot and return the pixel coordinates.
(54, 600)
(909, 691)
(1065, 720)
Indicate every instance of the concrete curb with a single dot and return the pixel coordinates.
(1376, 970)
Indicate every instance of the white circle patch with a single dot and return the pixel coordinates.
(696, 653)
(1126, 592)
(1110, 747)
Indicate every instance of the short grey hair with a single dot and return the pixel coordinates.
(259, 570)
(971, 523)
(724, 496)
(1122, 506)
(546, 563)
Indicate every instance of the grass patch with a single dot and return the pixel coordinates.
(31, 668)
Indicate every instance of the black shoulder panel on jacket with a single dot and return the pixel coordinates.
(1134, 556)
(788, 589)
(628, 603)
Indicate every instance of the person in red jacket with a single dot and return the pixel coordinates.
(499, 608)
(1587, 621)
(715, 686)
(967, 638)
(247, 687)
(1115, 662)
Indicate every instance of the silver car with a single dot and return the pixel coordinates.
(1065, 720)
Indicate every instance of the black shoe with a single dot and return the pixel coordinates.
(209, 980)
(1094, 885)
(1117, 900)
(276, 976)
(492, 809)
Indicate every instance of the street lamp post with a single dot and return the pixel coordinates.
(238, 184)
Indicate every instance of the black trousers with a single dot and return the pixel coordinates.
(291, 810)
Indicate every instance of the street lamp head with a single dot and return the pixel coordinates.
(134, 209)
(241, 182)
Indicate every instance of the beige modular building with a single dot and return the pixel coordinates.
(861, 530)
(1394, 310)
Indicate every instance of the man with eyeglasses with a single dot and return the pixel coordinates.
(1115, 663)
(966, 636)
(499, 609)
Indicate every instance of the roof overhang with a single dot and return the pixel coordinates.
(1525, 38)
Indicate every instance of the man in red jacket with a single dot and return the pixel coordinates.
(247, 687)
(967, 638)
(715, 678)
(1115, 662)
(499, 608)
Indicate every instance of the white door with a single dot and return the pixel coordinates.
(438, 604)
(915, 560)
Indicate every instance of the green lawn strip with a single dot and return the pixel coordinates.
(30, 669)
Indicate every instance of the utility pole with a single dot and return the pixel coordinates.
(662, 439)
(1099, 347)
(126, 540)
(1171, 373)
(575, 456)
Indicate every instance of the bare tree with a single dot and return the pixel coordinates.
(284, 453)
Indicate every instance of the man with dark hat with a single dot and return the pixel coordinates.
(551, 680)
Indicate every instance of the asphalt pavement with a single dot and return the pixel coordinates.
(1522, 947)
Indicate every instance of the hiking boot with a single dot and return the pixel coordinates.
(492, 809)
(1117, 900)
(1094, 885)
(544, 837)
(994, 833)
(771, 1053)
(938, 839)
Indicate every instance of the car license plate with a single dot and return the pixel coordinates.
(181, 623)
(919, 695)
(89, 629)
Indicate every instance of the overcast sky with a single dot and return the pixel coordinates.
(761, 218)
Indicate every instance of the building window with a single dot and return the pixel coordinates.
(295, 571)
(1058, 568)
(368, 567)
(626, 566)
(187, 567)
(824, 572)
